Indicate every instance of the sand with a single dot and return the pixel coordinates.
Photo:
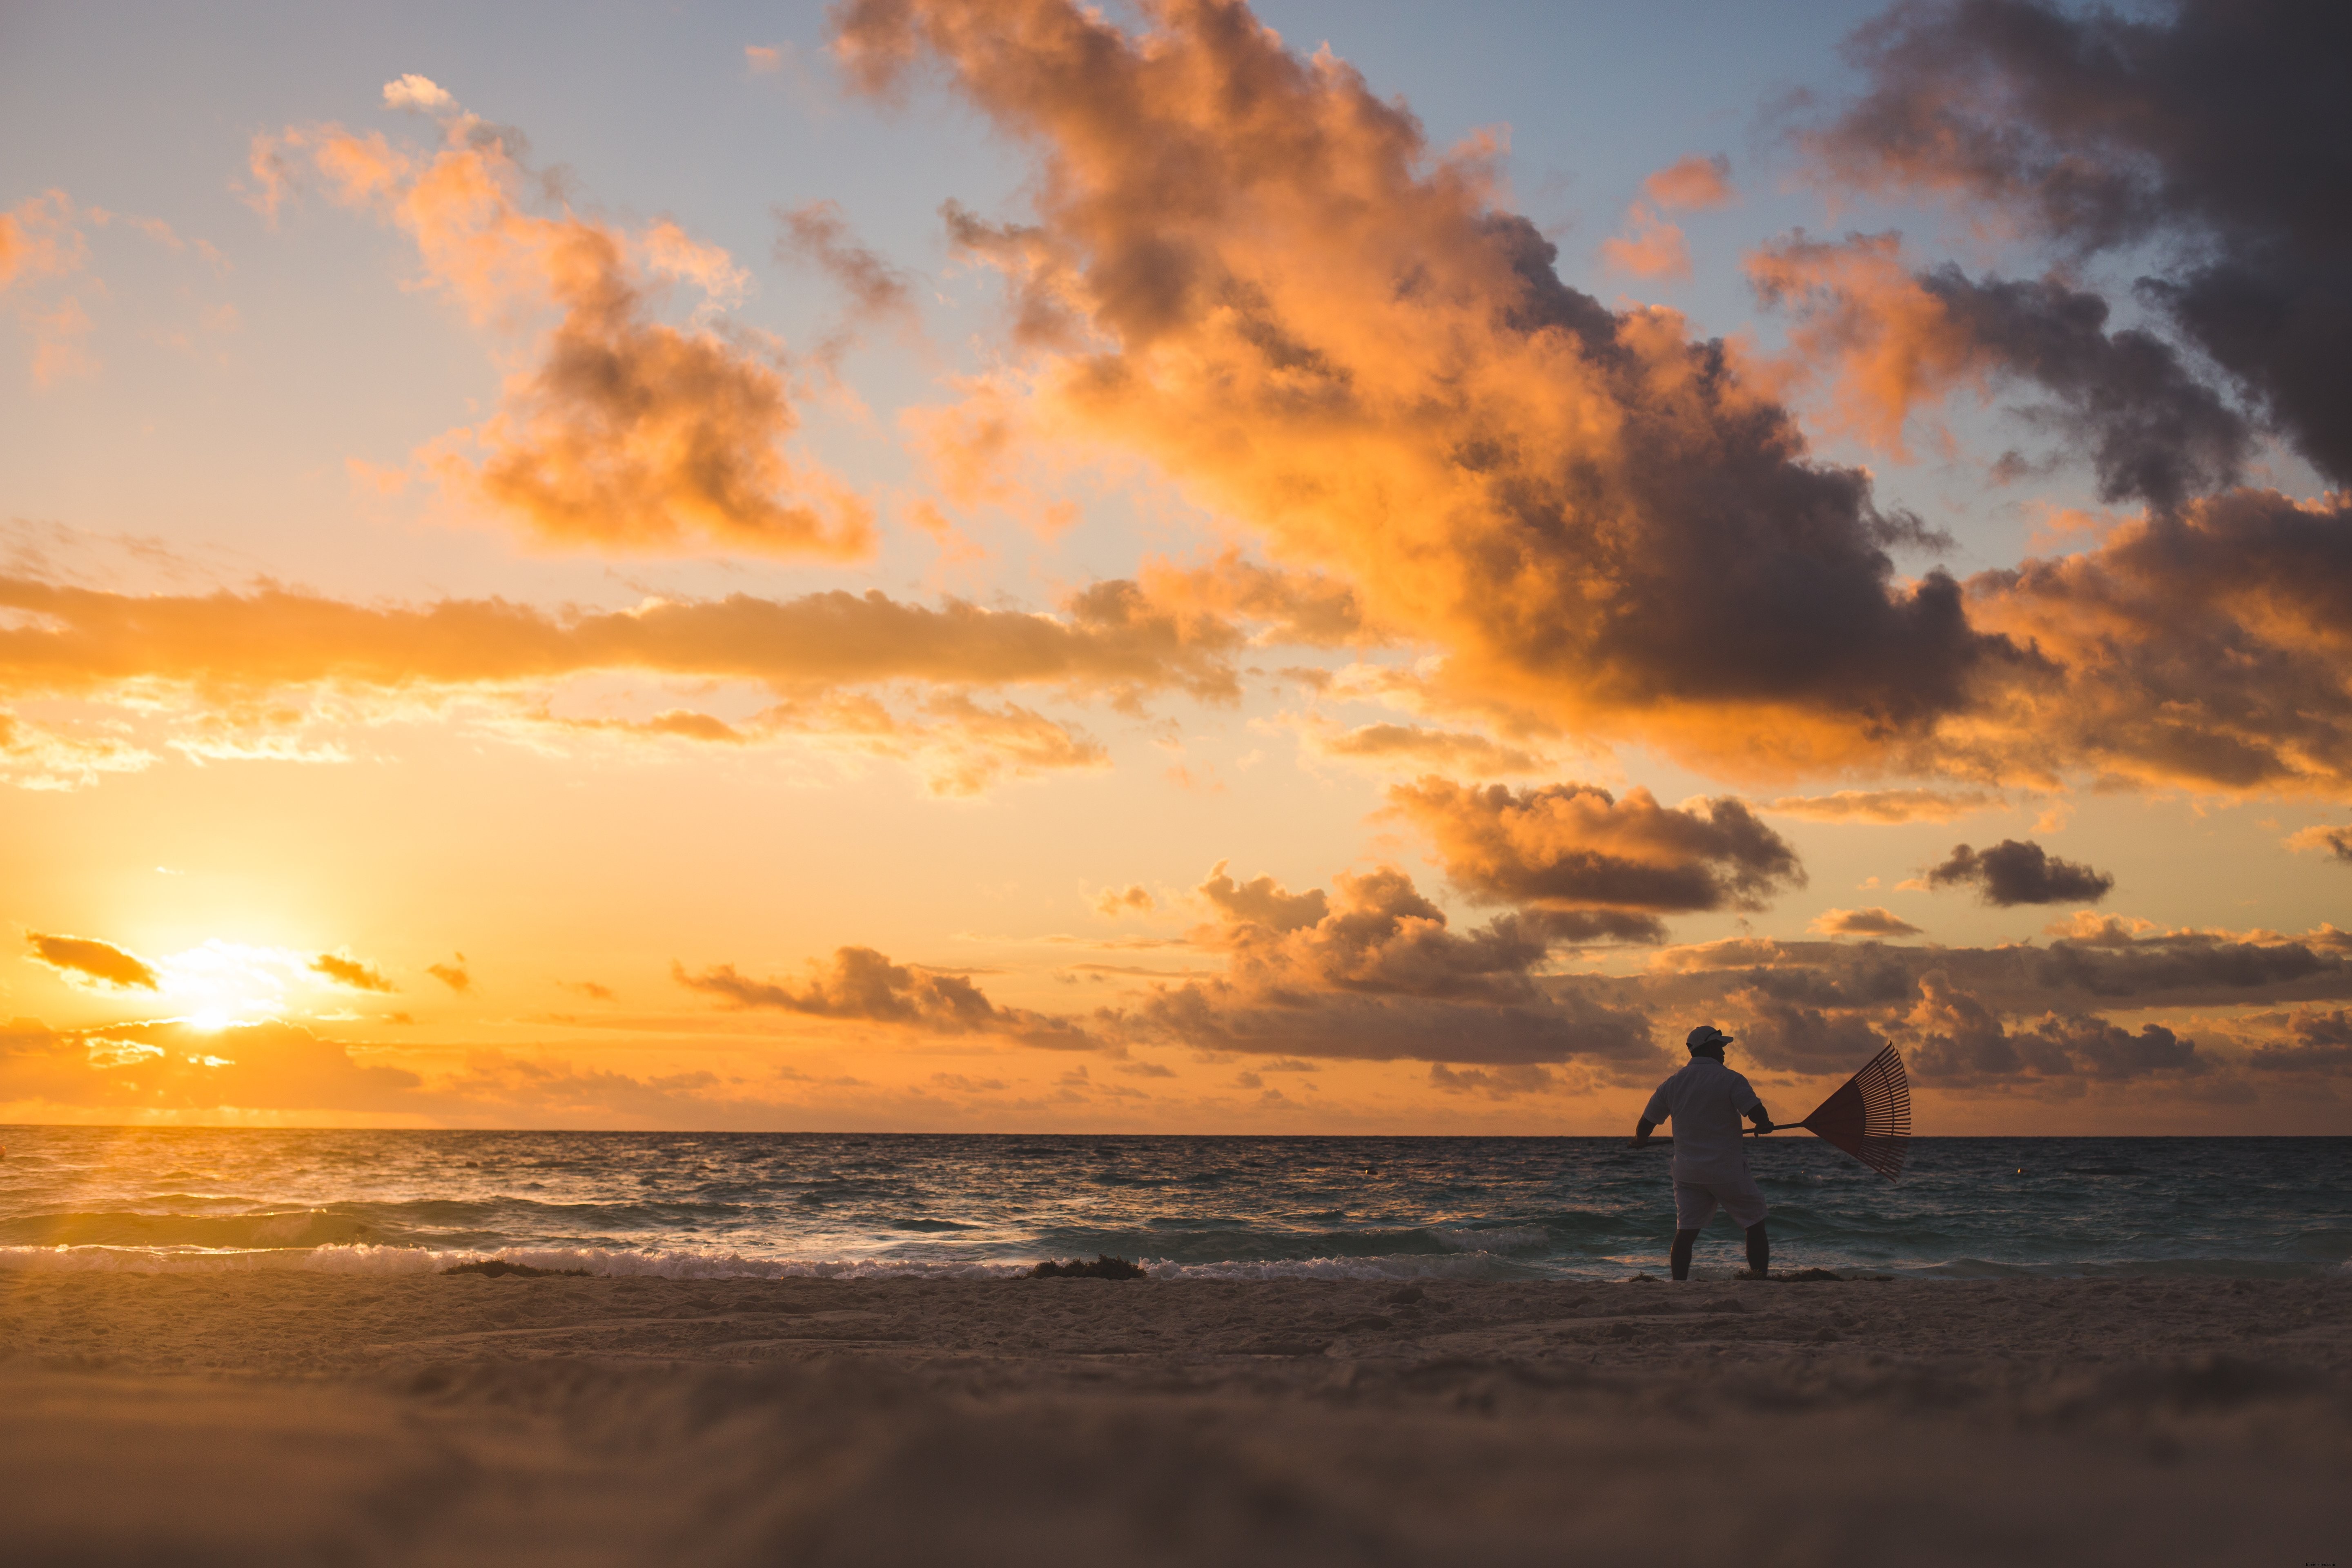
(295, 1418)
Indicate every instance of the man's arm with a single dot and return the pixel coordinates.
(1761, 1117)
(1642, 1130)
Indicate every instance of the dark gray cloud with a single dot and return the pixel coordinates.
(2220, 130)
(2017, 872)
(1578, 846)
(2153, 431)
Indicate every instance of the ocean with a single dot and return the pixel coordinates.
(765, 1205)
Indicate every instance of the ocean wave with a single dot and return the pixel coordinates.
(1501, 1236)
(1405, 1266)
(669, 1263)
(119, 1228)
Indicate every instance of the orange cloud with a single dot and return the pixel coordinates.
(862, 986)
(1655, 247)
(1110, 641)
(630, 434)
(1401, 746)
(1885, 805)
(1693, 181)
(1113, 902)
(88, 959)
(1310, 323)
(1872, 922)
(351, 972)
(1890, 346)
(1372, 971)
(454, 975)
(39, 239)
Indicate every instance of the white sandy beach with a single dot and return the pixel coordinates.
(287, 1417)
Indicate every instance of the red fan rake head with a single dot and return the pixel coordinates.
(1870, 1117)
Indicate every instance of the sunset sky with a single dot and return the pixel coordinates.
(996, 566)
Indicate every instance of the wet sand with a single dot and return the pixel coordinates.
(295, 1417)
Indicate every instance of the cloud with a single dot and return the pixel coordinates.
(2334, 841)
(1262, 901)
(454, 975)
(2017, 872)
(1306, 320)
(864, 986)
(1309, 322)
(40, 238)
(817, 235)
(39, 758)
(1870, 921)
(1893, 340)
(1108, 642)
(1572, 846)
(87, 959)
(628, 435)
(1497, 1083)
(1113, 902)
(1654, 248)
(2213, 649)
(1693, 181)
(351, 972)
(1371, 971)
(1888, 806)
(414, 91)
(763, 59)
(1394, 747)
(2169, 133)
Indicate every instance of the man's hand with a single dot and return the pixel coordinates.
(1642, 1130)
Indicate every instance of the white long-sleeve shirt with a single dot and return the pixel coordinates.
(1705, 1101)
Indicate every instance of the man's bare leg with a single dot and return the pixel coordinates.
(1759, 1251)
(1680, 1257)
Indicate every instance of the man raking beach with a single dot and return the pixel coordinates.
(1706, 1100)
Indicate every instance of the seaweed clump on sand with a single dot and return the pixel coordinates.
(1105, 1267)
(498, 1268)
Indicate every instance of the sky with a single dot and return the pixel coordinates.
(998, 566)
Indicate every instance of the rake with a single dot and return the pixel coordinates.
(1869, 1117)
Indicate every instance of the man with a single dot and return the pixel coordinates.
(1706, 1100)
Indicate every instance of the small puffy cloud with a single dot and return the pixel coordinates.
(454, 975)
(1651, 248)
(85, 958)
(1870, 921)
(1885, 805)
(763, 59)
(1693, 181)
(864, 986)
(1572, 846)
(1113, 902)
(414, 91)
(346, 971)
(2017, 872)
(1262, 901)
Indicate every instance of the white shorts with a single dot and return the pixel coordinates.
(1695, 1203)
